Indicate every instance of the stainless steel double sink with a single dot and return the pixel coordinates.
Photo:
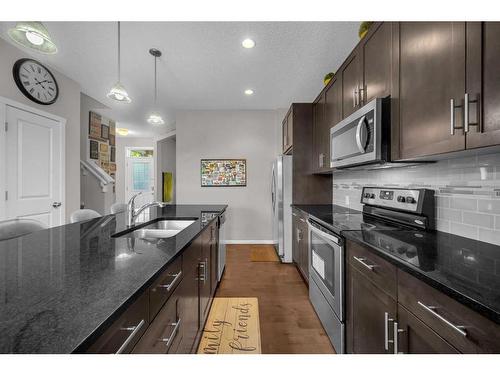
(159, 229)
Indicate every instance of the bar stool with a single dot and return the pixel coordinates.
(19, 227)
(83, 215)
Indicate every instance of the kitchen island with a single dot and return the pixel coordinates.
(63, 288)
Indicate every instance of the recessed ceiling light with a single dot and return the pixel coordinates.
(248, 92)
(248, 43)
(122, 131)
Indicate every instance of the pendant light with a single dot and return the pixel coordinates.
(155, 118)
(118, 92)
(33, 35)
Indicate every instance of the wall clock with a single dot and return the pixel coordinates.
(35, 81)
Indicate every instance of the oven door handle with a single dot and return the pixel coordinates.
(323, 234)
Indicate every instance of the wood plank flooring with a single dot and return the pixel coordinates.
(288, 323)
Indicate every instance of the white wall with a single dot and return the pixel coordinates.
(66, 106)
(121, 144)
(247, 135)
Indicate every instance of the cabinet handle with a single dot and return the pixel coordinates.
(361, 95)
(467, 102)
(362, 261)
(177, 276)
(386, 330)
(354, 98)
(396, 333)
(168, 341)
(432, 310)
(201, 267)
(321, 157)
(134, 330)
(453, 107)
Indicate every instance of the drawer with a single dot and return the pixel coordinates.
(125, 331)
(164, 286)
(164, 333)
(463, 328)
(382, 273)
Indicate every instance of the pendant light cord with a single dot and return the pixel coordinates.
(156, 90)
(119, 64)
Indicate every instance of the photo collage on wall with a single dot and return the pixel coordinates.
(102, 147)
(223, 172)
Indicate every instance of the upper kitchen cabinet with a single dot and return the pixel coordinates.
(320, 162)
(287, 132)
(352, 80)
(482, 125)
(431, 84)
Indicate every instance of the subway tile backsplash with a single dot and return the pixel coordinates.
(467, 192)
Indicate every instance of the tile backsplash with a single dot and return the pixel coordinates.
(467, 192)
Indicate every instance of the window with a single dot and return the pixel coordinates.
(140, 153)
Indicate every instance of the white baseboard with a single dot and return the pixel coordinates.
(249, 242)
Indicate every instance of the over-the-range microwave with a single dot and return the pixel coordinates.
(363, 137)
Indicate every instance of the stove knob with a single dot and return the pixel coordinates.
(410, 200)
(401, 199)
(372, 196)
(367, 195)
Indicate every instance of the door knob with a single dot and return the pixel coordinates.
(56, 204)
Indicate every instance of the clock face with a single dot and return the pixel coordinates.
(35, 81)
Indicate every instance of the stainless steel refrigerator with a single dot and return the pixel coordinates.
(281, 199)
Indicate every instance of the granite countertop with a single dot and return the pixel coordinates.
(465, 269)
(58, 286)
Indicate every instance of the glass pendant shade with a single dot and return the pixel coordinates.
(155, 119)
(119, 93)
(33, 35)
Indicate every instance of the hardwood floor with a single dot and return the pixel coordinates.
(288, 322)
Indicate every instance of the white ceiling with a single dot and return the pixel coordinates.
(203, 64)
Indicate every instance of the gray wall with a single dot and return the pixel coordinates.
(466, 189)
(66, 106)
(121, 144)
(91, 194)
(250, 135)
(166, 162)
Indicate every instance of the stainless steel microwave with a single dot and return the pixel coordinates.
(358, 139)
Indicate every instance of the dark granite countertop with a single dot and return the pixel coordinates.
(464, 269)
(61, 285)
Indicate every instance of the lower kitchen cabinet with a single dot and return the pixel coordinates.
(370, 313)
(170, 315)
(300, 244)
(414, 337)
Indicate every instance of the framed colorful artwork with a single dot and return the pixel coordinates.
(103, 147)
(112, 154)
(94, 149)
(223, 172)
(104, 131)
(94, 125)
(111, 138)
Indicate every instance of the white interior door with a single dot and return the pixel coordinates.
(140, 178)
(34, 151)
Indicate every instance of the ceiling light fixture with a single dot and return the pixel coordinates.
(122, 131)
(248, 43)
(33, 35)
(248, 92)
(155, 118)
(118, 92)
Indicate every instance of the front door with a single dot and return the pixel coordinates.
(34, 156)
(140, 176)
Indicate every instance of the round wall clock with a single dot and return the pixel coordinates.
(35, 81)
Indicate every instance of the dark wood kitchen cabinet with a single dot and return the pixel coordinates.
(319, 162)
(483, 84)
(352, 80)
(431, 84)
(287, 132)
(300, 244)
(370, 310)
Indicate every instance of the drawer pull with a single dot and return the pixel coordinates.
(168, 341)
(134, 330)
(432, 310)
(386, 329)
(362, 261)
(397, 331)
(177, 276)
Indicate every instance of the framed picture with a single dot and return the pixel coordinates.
(223, 172)
(112, 155)
(111, 138)
(94, 149)
(103, 147)
(104, 131)
(94, 125)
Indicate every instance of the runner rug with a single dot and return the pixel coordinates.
(232, 327)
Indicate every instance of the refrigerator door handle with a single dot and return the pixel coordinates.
(273, 190)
